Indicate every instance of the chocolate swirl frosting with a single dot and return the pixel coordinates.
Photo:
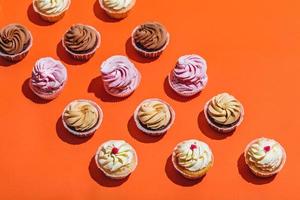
(14, 39)
(150, 36)
(81, 39)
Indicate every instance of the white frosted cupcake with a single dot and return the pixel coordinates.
(117, 9)
(116, 159)
(265, 157)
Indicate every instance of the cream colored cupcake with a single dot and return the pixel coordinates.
(51, 10)
(116, 159)
(265, 157)
(117, 9)
(192, 158)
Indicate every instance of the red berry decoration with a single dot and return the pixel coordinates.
(193, 146)
(267, 148)
(114, 150)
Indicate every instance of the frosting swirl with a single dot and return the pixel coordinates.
(115, 156)
(50, 7)
(14, 39)
(116, 4)
(193, 155)
(81, 39)
(81, 115)
(224, 109)
(189, 75)
(119, 75)
(154, 114)
(150, 36)
(265, 155)
(48, 75)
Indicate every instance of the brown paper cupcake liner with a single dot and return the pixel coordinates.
(47, 96)
(117, 14)
(153, 132)
(264, 174)
(88, 132)
(85, 56)
(51, 18)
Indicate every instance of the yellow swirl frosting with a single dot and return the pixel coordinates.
(193, 155)
(81, 115)
(50, 7)
(154, 114)
(116, 4)
(224, 109)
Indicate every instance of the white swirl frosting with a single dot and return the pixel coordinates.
(193, 155)
(116, 4)
(112, 161)
(50, 7)
(265, 155)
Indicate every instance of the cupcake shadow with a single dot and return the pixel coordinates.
(176, 177)
(100, 178)
(248, 176)
(100, 14)
(35, 18)
(65, 57)
(208, 131)
(6, 63)
(139, 135)
(27, 92)
(67, 137)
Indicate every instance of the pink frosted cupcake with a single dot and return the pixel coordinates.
(48, 78)
(116, 159)
(120, 77)
(265, 157)
(189, 75)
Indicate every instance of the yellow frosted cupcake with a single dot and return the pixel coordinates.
(117, 9)
(192, 158)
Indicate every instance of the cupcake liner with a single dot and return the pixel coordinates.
(153, 132)
(85, 56)
(264, 174)
(117, 14)
(51, 18)
(152, 54)
(221, 129)
(88, 132)
(19, 56)
(46, 96)
(119, 176)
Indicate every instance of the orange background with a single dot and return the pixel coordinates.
(252, 50)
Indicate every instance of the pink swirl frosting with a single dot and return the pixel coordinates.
(119, 75)
(189, 75)
(48, 75)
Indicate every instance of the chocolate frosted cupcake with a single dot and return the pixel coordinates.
(154, 117)
(224, 112)
(117, 9)
(150, 39)
(15, 42)
(81, 41)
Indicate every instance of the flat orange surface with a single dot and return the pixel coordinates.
(252, 49)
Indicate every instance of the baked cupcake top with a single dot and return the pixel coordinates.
(48, 75)
(150, 36)
(189, 74)
(116, 5)
(81, 115)
(14, 39)
(265, 155)
(224, 109)
(193, 155)
(51, 7)
(81, 39)
(154, 115)
(115, 156)
(119, 75)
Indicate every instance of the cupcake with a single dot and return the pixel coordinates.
(150, 39)
(116, 159)
(48, 78)
(82, 117)
(265, 157)
(224, 113)
(119, 75)
(189, 75)
(81, 41)
(15, 42)
(154, 117)
(49, 10)
(192, 158)
(117, 9)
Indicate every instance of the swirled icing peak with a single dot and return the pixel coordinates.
(116, 4)
(51, 7)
